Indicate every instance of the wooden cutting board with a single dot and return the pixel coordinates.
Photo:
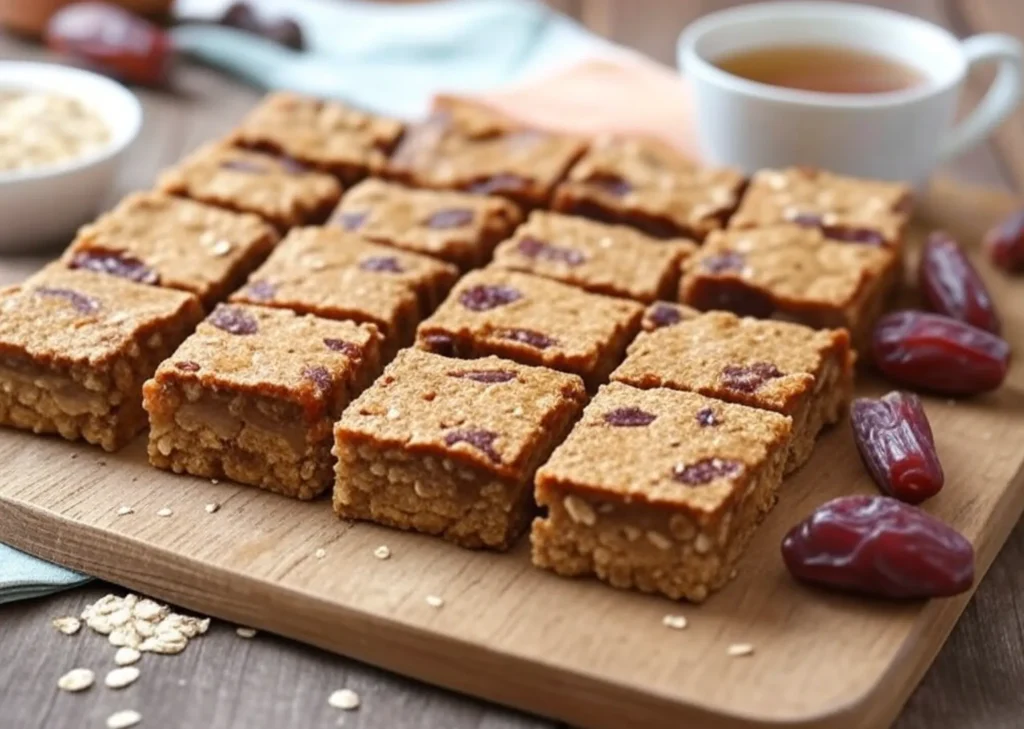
(570, 649)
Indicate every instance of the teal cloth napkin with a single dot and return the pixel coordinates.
(389, 58)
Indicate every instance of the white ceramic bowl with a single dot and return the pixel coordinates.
(40, 208)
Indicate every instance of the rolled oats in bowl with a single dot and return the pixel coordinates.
(42, 129)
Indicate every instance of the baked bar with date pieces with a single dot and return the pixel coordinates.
(325, 135)
(532, 320)
(792, 272)
(658, 490)
(604, 259)
(338, 275)
(791, 369)
(650, 186)
(456, 227)
(278, 189)
(76, 347)
(253, 394)
(844, 208)
(163, 240)
(450, 447)
(466, 146)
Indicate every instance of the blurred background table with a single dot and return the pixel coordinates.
(225, 682)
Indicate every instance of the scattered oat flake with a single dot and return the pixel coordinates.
(435, 601)
(77, 679)
(125, 511)
(212, 508)
(245, 632)
(142, 624)
(68, 625)
(121, 677)
(676, 622)
(320, 553)
(126, 656)
(214, 481)
(740, 649)
(393, 413)
(221, 248)
(164, 512)
(344, 699)
(382, 552)
(123, 719)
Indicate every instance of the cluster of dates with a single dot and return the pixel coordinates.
(124, 45)
(885, 545)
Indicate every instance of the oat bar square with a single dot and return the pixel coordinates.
(253, 394)
(604, 259)
(169, 241)
(658, 490)
(532, 320)
(450, 447)
(76, 347)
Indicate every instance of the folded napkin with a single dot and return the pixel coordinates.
(516, 56)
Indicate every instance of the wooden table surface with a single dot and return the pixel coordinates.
(223, 681)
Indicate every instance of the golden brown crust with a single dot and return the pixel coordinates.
(276, 189)
(468, 147)
(532, 320)
(794, 272)
(848, 208)
(326, 135)
(456, 227)
(429, 405)
(594, 256)
(649, 185)
(338, 275)
(177, 243)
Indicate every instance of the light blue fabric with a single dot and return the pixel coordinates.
(392, 58)
(387, 58)
(23, 577)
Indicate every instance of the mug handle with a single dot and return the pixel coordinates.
(1002, 97)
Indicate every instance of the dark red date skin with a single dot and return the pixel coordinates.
(951, 285)
(877, 545)
(896, 444)
(933, 352)
(113, 41)
(1005, 243)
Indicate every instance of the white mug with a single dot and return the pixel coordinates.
(899, 135)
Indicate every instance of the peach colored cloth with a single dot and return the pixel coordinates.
(624, 94)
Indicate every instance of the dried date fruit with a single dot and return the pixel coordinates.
(629, 417)
(537, 340)
(612, 184)
(83, 303)
(748, 378)
(880, 546)
(113, 41)
(482, 440)
(1005, 243)
(450, 218)
(349, 349)
(486, 376)
(485, 297)
(115, 264)
(261, 290)
(706, 418)
(664, 315)
(843, 233)
(283, 31)
(187, 366)
(381, 264)
(705, 471)
(542, 250)
(936, 353)
(728, 262)
(503, 183)
(233, 320)
(951, 285)
(244, 165)
(351, 221)
(896, 444)
(440, 344)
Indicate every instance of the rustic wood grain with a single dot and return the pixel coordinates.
(230, 683)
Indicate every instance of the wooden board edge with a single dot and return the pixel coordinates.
(462, 666)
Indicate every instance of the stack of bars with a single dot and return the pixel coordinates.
(591, 326)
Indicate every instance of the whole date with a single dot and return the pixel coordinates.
(876, 545)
